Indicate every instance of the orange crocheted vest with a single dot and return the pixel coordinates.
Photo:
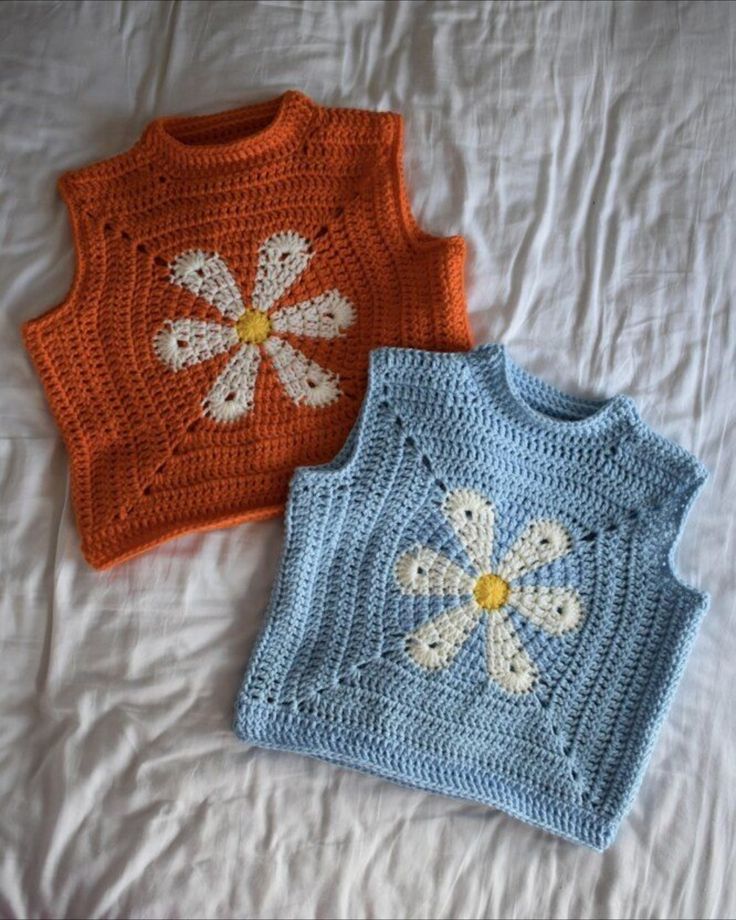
(233, 273)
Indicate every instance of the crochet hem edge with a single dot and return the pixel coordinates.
(259, 724)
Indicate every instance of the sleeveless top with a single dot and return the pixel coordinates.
(477, 596)
(233, 273)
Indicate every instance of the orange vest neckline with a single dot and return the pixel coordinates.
(287, 119)
(234, 271)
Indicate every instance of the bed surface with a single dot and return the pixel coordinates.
(586, 152)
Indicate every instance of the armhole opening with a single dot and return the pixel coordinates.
(697, 600)
(74, 215)
(451, 250)
(418, 238)
(347, 458)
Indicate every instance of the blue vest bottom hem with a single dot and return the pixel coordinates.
(270, 726)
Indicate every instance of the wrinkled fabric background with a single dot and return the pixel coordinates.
(586, 151)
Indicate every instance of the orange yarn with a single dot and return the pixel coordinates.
(233, 273)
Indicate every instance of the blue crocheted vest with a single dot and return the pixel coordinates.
(477, 596)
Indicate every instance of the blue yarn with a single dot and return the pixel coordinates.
(542, 691)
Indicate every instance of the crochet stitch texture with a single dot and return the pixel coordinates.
(233, 273)
(477, 596)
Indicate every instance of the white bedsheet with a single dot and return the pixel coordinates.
(586, 151)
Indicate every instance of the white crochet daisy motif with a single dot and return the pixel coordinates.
(488, 592)
(254, 328)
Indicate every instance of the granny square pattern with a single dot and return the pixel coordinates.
(234, 272)
(478, 597)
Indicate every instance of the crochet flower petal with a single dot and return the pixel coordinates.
(555, 610)
(436, 643)
(471, 515)
(322, 317)
(422, 571)
(507, 661)
(281, 259)
(185, 342)
(207, 276)
(541, 543)
(232, 394)
(304, 380)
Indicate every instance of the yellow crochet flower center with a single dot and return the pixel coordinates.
(490, 592)
(253, 327)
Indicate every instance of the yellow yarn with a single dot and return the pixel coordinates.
(491, 592)
(253, 327)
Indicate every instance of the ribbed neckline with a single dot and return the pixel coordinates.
(272, 125)
(537, 405)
